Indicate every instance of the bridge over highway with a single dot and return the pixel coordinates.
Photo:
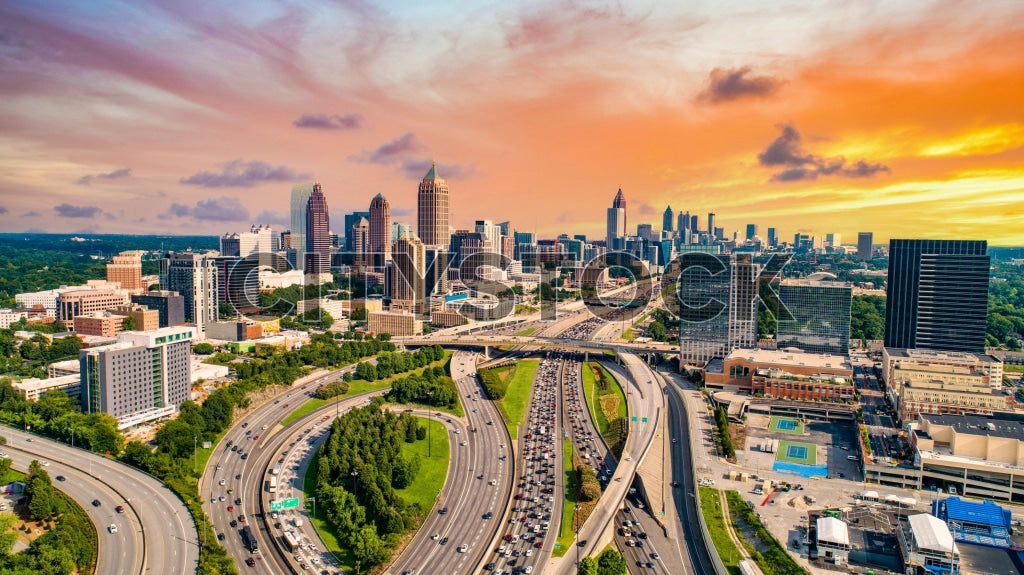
(488, 341)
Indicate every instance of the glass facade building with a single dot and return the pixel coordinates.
(814, 316)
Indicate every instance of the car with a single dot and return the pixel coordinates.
(222, 482)
(655, 556)
(265, 426)
(231, 508)
(119, 509)
(95, 502)
(59, 478)
(241, 518)
(233, 523)
(442, 511)
(112, 528)
(220, 537)
(463, 548)
(46, 463)
(255, 437)
(444, 541)
(238, 501)
(221, 498)
(250, 562)
(230, 491)
(245, 456)
(435, 536)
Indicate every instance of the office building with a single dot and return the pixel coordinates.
(432, 219)
(408, 282)
(126, 269)
(667, 220)
(782, 374)
(100, 324)
(620, 203)
(937, 295)
(645, 231)
(318, 234)
(169, 305)
(437, 261)
(833, 241)
(358, 238)
(76, 302)
(616, 227)
(506, 228)
(491, 232)
(773, 239)
(380, 230)
(260, 241)
(144, 376)
(864, 246)
(711, 227)
(143, 318)
(508, 247)
(9, 316)
(720, 296)
(299, 203)
(238, 283)
(938, 382)
(751, 232)
(814, 316)
(194, 276)
(351, 220)
(31, 389)
(398, 324)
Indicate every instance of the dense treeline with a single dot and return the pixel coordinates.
(433, 387)
(32, 262)
(867, 318)
(68, 546)
(29, 358)
(722, 423)
(325, 351)
(56, 416)
(609, 562)
(390, 363)
(495, 380)
(1005, 325)
(775, 560)
(359, 468)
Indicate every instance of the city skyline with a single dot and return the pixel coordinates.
(900, 120)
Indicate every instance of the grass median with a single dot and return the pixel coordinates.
(711, 508)
(518, 380)
(606, 403)
(566, 535)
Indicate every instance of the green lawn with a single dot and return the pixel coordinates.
(594, 397)
(11, 476)
(711, 508)
(309, 407)
(517, 396)
(527, 331)
(629, 334)
(433, 469)
(566, 535)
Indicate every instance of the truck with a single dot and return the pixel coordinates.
(273, 484)
(276, 469)
(249, 541)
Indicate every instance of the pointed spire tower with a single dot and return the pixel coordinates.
(432, 220)
(620, 202)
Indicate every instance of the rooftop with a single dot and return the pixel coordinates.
(931, 533)
(984, 513)
(934, 355)
(1006, 425)
(792, 359)
(833, 530)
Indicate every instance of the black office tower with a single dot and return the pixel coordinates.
(937, 295)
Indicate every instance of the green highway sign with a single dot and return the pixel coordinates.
(643, 420)
(661, 514)
(278, 505)
(633, 419)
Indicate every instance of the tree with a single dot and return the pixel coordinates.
(587, 566)
(138, 455)
(203, 348)
(5, 466)
(611, 562)
(657, 331)
(368, 548)
(176, 438)
(128, 324)
(7, 534)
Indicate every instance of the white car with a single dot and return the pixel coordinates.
(463, 548)
(222, 482)
(112, 528)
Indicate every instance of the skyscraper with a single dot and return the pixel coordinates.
(751, 231)
(380, 230)
(300, 197)
(491, 232)
(711, 227)
(194, 276)
(694, 224)
(616, 227)
(620, 202)
(318, 234)
(667, 220)
(432, 221)
(359, 242)
(864, 243)
(773, 239)
(408, 285)
(833, 240)
(937, 295)
(816, 316)
(720, 296)
(352, 219)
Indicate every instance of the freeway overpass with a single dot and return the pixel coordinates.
(487, 341)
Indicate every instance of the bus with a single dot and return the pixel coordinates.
(248, 540)
(291, 540)
(273, 484)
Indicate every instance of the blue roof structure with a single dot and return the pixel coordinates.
(986, 513)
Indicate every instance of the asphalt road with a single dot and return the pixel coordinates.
(466, 495)
(156, 520)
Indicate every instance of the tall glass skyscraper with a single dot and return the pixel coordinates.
(937, 295)
(300, 198)
(318, 235)
(432, 219)
(815, 316)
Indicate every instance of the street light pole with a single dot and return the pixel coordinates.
(354, 474)
(576, 509)
(430, 394)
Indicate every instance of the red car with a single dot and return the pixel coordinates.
(508, 537)
(539, 544)
(231, 508)
(250, 562)
(242, 518)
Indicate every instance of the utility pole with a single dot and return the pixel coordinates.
(430, 394)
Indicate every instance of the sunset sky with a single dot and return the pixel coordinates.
(197, 117)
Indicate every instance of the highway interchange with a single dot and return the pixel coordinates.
(486, 469)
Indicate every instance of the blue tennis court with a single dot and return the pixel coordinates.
(787, 425)
(796, 452)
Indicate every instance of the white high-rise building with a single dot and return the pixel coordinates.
(195, 277)
(491, 232)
